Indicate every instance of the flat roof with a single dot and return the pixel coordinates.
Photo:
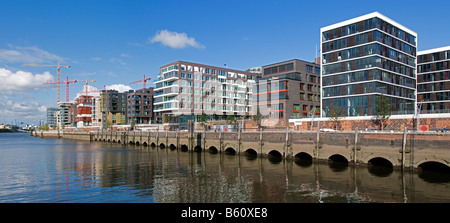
(206, 65)
(286, 61)
(435, 50)
(368, 16)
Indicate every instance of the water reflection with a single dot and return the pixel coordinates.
(174, 176)
(71, 171)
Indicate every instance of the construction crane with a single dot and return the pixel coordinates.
(67, 82)
(58, 68)
(86, 86)
(143, 80)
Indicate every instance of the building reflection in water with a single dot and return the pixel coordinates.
(167, 176)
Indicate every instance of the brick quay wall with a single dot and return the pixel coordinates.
(407, 150)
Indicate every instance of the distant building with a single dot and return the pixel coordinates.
(433, 80)
(51, 116)
(98, 119)
(84, 105)
(255, 70)
(63, 117)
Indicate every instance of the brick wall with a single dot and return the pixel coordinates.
(392, 124)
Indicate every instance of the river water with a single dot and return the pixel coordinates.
(36, 170)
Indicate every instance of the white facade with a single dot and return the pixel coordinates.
(187, 88)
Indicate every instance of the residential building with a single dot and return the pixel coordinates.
(255, 70)
(433, 80)
(85, 103)
(72, 115)
(63, 117)
(289, 89)
(139, 106)
(113, 103)
(84, 111)
(185, 90)
(364, 58)
(51, 117)
(116, 118)
(97, 114)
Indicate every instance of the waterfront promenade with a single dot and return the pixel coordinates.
(404, 150)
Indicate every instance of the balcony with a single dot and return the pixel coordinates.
(167, 91)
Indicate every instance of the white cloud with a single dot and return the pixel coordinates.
(17, 54)
(175, 40)
(22, 80)
(29, 110)
(118, 87)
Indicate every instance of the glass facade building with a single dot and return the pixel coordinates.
(363, 58)
(433, 80)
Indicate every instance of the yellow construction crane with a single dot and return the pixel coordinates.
(58, 67)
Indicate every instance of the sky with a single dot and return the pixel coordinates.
(117, 42)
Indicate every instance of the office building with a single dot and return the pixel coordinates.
(433, 80)
(185, 90)
(364, 58)
(286, 90)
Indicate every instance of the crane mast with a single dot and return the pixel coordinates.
(58, 68)
(67, 82)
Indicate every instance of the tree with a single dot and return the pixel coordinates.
(231, 120)
(166, 119)
(335, 115)
(133, 123)
(382, 111)
(258, 117)
(202, 120)
(108, 124)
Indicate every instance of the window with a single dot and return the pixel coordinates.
(317, 70)
(309, 68)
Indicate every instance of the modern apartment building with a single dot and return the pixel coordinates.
(184, 90)
(113, 104)
(364, 58)
(433, 80)
(51, 116)
(83, 116)
(97, 115)
(289, 89)
(63, 117)
(139, 106)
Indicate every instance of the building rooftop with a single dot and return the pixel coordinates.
(312, 63)
(368, 16)
(435, 50)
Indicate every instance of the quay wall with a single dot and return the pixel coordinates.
(406, 150)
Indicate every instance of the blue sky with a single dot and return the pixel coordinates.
(117, 42)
